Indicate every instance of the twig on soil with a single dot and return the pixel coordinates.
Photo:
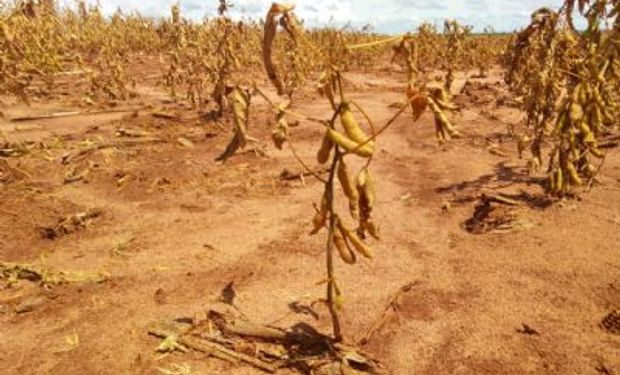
(73, 72)
(72, 114)
(246, 328)
(21, 173)
(493, 198)
(70, 224)
(74, 175)
(527, 330)
(497, 152)
(224, 336)
(210, 348)
(166, 116)
(44, 275)
(287, 175)
(221, 352)
(131, 133)
(66, 159)
(392, 306)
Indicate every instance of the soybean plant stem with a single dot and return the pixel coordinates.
(329, 196)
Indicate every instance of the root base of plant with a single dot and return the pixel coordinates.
(227, 337)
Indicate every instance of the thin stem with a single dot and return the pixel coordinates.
(329, 195)
(304, 165)
(598, 170)
(386, 126)
(339, 77)
(289, 112)
(370, 123)
(372, 128)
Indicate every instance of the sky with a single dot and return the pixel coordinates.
(391, 17)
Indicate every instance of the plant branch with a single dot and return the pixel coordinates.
(289, 112)
(386, 126)
(303, 165)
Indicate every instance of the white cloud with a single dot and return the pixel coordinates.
(386, 16)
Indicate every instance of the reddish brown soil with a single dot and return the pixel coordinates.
(177, 227)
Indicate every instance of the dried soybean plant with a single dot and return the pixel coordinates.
(225, 60)
(483, 50)
(360, 193)
(353, 141)
(370, 58)
(202, 58)
(31, 50)
(344, 139)
(573, 101)
(414, 53)
(174, 35)
(535, 61)
(202, 61)
(237, 96)
(108, 47)
(407, 51)
(453, 57)
(430, 43)
(109, 76)
(420, 52)
(590, 108)
(422, 95)
(40, 43)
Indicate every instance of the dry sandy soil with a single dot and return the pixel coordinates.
(172, 228)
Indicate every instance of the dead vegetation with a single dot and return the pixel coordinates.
(164, 126)
(230, 338)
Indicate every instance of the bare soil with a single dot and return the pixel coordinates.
(525, 297)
